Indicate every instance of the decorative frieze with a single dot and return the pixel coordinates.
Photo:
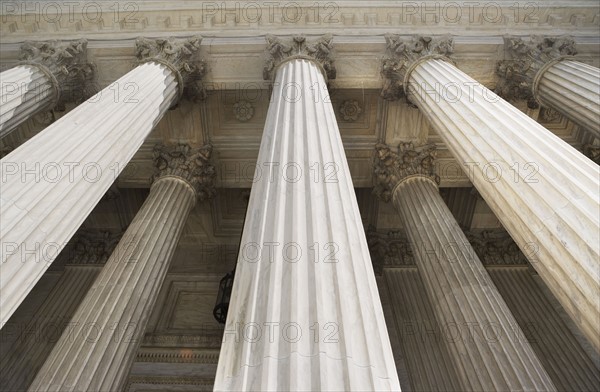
(392, 168)
(525, 63)
(182, 56)
(189, 164)
(66, 66)
(404, 54)
(279, 51)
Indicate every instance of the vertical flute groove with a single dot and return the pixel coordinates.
(344, 343)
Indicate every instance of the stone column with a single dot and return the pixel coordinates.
(85, 258)
(49, 74)
(543, 191)
(544, 71)
(53, 181)
(95, 354)
(489, 349)
(305, 312)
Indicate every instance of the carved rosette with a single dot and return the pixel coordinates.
(182, 56)
(189, 164)
(526, 61)
(403, 54)
(350, 110)
(65, 63)
(392, 168)
(320, 51)
(243, 111)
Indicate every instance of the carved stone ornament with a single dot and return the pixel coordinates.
(90, 247)
(190, 164)
(496, 247)
(182, 56)
(549, 115)
(65, 63)
(320, 51)
(350, 110)
(392, 168)
(243, 111)
(388, 250)
(493, 247)
(525, 60)
(402, 54)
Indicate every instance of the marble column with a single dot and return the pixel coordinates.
(49, 74)
(305, 312)
(488, 348)
(53, 181)
(543, 191)
(85, 258)
(543, 70)
(96, 352)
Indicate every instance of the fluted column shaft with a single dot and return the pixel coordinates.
(27, 355)
(304, 277)
(25, 91)
(488, 347)
(97, 352)
(573, 89)
(543, 191)
(53, 181)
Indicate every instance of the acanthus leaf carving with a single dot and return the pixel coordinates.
(320, 51)
(525, 60)
(65, 63)
(182, 56)
(391, 168)
(403, 53)
(90, 247)
(190, 164)
(492, 247)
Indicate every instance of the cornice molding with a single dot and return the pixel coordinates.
(191, 165)
(526, 62)
(279, 51)
(391, 168)
(231, 18)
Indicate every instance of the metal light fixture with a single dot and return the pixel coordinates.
(222, 305)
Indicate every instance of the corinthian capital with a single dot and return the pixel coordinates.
(320, 51)
(526, 61)
(189, 164)
(65, 64)
(392, 168)
(403, 54)
(182, 56)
